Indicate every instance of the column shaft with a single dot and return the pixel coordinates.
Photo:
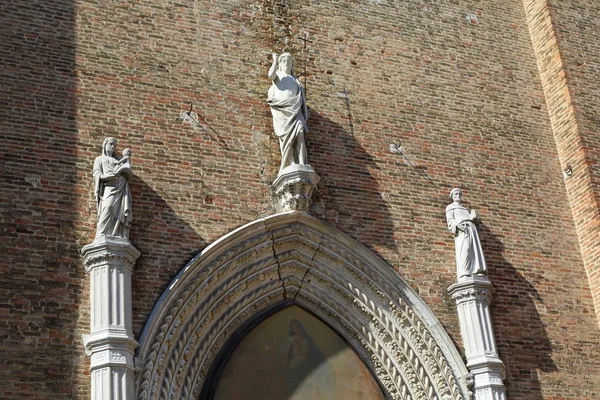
(472, 296)
(110, 343)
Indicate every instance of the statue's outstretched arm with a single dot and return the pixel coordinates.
(273, 69)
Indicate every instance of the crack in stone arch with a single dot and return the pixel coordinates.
(341, 282)
(309, 267)
(276, 258)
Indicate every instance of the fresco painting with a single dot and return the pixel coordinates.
(292, 355)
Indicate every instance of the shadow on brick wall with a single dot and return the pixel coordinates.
(40, 274)
(348, 196)
(167, 244)
(523, 343)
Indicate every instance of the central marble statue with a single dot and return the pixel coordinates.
(288, 106)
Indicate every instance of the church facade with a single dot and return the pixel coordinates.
(299, 242)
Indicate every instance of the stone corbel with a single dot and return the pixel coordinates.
(293, 188)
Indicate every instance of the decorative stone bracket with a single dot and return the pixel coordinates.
(111, 343)
(294, 187)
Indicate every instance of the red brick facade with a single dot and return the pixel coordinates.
(494, 97)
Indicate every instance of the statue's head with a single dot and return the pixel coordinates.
(456, 194)
(109, 146)
(285, 63)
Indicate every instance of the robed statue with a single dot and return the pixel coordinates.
(111, 188)
(461, 222)
(288, 106)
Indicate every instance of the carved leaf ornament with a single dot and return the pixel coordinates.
(293, 257)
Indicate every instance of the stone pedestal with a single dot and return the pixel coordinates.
(294, 187)
(110, 344)
(473, 295)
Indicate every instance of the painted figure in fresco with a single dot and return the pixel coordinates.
(288, 105)
(461, 222)
(308, 374)
(111, 188)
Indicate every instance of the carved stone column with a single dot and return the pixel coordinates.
(473, 295)
(110, 343)
(294, 187)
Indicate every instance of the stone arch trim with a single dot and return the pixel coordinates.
(293, 256)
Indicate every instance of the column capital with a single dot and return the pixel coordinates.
(472, 288)
(110, 250)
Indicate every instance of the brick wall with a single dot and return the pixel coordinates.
(568, 62)
(455, 83)
(41, 277)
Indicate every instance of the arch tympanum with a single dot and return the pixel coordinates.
(293, 257)
(290, 354)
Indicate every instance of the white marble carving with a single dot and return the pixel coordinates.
(111, 189)
(472, 294)
(288, 105)
(473, 297)
(110, 344)
(294, 187)
(461, 222)
(294, 257)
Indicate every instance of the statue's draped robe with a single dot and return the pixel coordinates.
(469, 254)
(289, 120)
(113, 199)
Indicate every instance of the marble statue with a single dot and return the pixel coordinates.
(288, 105)
(111, 188)
(461, 222)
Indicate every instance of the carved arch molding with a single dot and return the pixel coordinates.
(295, 257)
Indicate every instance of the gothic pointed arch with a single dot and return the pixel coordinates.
(296, 258)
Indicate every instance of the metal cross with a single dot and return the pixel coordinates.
(306, 42)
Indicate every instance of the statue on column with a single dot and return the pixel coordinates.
(288, 105)
(111, 189)
(461, 222)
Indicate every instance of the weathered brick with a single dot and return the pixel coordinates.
(495, 97)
